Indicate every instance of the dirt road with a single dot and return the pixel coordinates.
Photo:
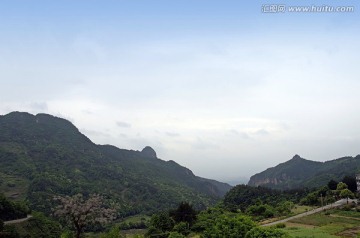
(17, 220)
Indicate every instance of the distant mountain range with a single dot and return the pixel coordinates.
(42, 156)
(299, 173)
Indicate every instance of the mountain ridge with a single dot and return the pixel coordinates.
(43, 155)
(299, 173)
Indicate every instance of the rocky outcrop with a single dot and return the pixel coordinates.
(148, 152)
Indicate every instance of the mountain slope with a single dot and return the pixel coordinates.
(42, 156)
(299, 172)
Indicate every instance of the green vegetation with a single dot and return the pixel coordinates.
(48, 163)
(333, 223)
(302, 173)
(242, 196)
(39, 226)
(43, 156)
(12, 210)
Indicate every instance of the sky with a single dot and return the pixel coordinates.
(224, 88)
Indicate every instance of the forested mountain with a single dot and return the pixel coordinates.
(42, 156)
(299, 172)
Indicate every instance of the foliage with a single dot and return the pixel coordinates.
(261, 232)
(182, 228)
(243, 196)
(284, 208)
(184, 213)
(261, 211)
(113, 233)
(350, 181)
(346, 193)
(160, 225)
(311, 199)
(341, 186)
(207, 217)
(38, 226)
(229, 226)
(332, 184)
(12, 210)
(302, 173)
(81, 213)
(176, 235)
(42, 156)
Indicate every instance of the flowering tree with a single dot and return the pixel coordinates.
(80, 212)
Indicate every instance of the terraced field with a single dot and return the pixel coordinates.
(329, 224)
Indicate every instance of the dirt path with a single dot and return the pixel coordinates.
(320, 209)
(17, 220)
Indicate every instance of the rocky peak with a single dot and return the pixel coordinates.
(297, 157)
(149, 152)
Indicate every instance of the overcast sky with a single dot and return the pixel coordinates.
(217, 86)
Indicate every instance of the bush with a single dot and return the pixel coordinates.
(175, 235)
(262, 232)
(230, 227)
(182, 228)
(280, 225)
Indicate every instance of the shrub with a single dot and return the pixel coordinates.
(280, 225)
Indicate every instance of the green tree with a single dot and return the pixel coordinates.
(229, 226)
(350, 181)
(160, 225)
(332, 184)
(346, 193)
(184, 213)
(261, 211)
(162, 221)
(182, 228)
(341, 186)
(284, 208)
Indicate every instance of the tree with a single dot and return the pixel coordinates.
(182, 228)
(184, 213)
(346, 193)
(341, 186)
(350, 182)
(160, 225)
(81, 213)
(230, 227)
(332, 184)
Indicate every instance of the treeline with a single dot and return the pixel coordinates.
(241, 197)
(212, 222)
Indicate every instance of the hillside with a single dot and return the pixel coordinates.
(299, 172)
(42, 156)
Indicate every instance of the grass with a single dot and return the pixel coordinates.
(298, 209)
(301, 232)
(323, 225)
(353, 214)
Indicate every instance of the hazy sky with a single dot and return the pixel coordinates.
(217, 86)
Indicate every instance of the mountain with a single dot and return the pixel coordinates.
(42, 156)
(299, 172)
